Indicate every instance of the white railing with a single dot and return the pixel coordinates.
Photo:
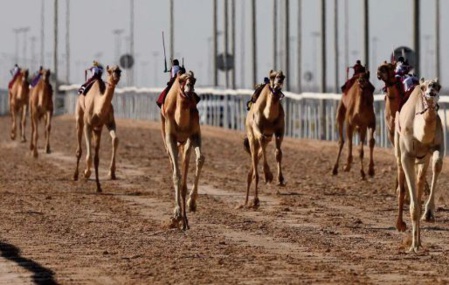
(308, 115)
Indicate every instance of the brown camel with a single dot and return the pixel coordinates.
(265, 118)
(356, 111)
(418, 136)
(18, 103)
(92, 112)
(41, 106)
(393, 97)
(181, 133)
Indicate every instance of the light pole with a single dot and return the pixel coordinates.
(374, 52)
(33, 53)
(118, 41)
(25, 30)
(16, 55)
(316, 36)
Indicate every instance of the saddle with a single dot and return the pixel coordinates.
(86, 86)
(11, 83)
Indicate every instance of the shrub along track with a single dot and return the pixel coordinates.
(317, 229)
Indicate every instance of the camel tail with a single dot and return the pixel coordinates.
(246, 145)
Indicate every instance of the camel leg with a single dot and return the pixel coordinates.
(186, 150)
(79, 151)
(400, 185)
(437, 165)
(362, 134)
(23, 123)
(408, 164)
(278, 155)
(111, 126)
(13, 123)
(34, 134)
(173, 153)
(340, 121)
(255, 162)
(97, 140)
(371, 142)
(349, 134)
(199, 162)
(88, 137)
(263, 142)
(48, 118)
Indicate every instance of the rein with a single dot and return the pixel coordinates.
(426, 106)
(277, 93)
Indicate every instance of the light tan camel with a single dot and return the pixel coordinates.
(41, 106)
(264, 119)
(393, 97)
(92, 112)
(418, 136)
(18, 103)
(181, 133)
(356, 111)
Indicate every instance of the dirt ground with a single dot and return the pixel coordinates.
(318, 229)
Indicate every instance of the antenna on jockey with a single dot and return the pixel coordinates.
(392, 58)
(403, 54)
(165, 57)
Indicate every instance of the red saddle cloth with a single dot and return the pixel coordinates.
(13, 80)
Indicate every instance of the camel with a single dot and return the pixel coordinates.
(393, 97)
(181, 133)
(264, 119)
(41, 106)
(418, 136)
(356, 111)
(18, 103)
(92, 112)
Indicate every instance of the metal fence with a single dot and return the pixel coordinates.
(308, 115)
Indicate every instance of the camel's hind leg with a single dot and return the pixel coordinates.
(173, 153)
(400, 181)
(186, 151)
(437, 165)
(13, 123)
(254, 146)
(23, 121)
(340, 121)
(34, 134)
(48, 118)
(97, 140)
(371, 142)
(349, 134)
(111, 126)
(278, 155)
(263, 142)
(88, 138)
(79, 151)
(362, 134)
(199, 162)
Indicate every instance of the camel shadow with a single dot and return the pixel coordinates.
(41, 275)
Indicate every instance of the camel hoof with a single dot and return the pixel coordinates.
(282, 183)
(75, 177)
(87, 173)
(335, 170)
(256, 203)
(35, 153)
(174, 223)
(191, 204)
(23, 140)
(47, 150)
(99, 190)
(13, 136)
(371, 172)
(112, 176)
(362, 173)
(413, 249)
(268, 177)
(401, 226)
(428, 217)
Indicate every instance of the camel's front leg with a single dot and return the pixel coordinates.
(437, 165)
(48, 118)
(186, 151)
(199, 162)
(371, 142)
(13, 123)
(408, 164)
(400, 185)
(263, 142)
(340, 121)
(97, 140)
(88, 137)
(278, 155)
(79, 151)
(23, 123)
(114, 140)
(173, 153)
(362, 134)
(34, 134)
(349, 134)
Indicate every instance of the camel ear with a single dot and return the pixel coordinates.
(422, 80)
(385, 62)
(108, 69)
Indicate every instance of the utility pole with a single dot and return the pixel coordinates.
(33, 53)
(346, 34)
(275, 40)
(67, 41)
(323, 46)
(233, 44)
(225, 42)
(254, 43)
(25, 31)
(172, 31)
(366, 29)
(337, 56)
(131, 42)
(16, 34)
(437, 40)
(214, 32)
(55, 47)
(299, 43)
(416, 35)
(118, 42)
(287, 42)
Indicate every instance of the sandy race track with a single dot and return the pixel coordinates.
(318, 229)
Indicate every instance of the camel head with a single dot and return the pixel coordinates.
(276, 80)
(45, 74)
(385, 72)
(430, 90)
(363, 79)
(24, 74)
(114, 73)
(187, 82)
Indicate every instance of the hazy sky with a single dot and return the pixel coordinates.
(92, 23)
